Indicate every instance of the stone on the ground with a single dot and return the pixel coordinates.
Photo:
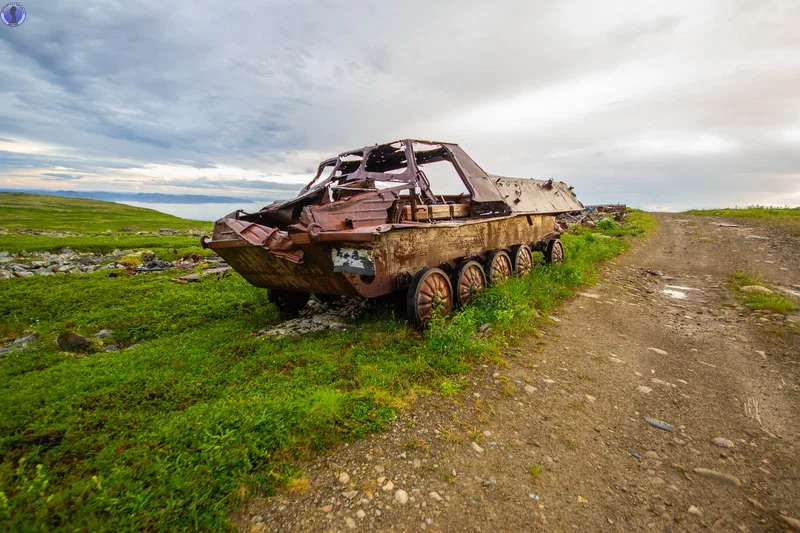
(435, 496)
(72, 342)
(659, 424)
(351, 524)
(589, 295)
(401, 497)
(694, 510)
(719, 476)
(360, 513)
(651, 455)
(344, 478)
(350, 494)
(104, 334)
(530, 389)
(659, 351)
(25, 340)
(644, 390)
(188, 278)
(756, 288)
(722, 442)
(476, 447)
(389, 486)
(793, 523)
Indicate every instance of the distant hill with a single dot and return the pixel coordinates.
(146, 197)
(20, 211)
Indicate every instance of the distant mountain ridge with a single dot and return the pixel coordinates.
(149, 197)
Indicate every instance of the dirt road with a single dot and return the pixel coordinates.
(557, 439)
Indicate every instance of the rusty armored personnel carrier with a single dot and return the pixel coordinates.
(415, 216)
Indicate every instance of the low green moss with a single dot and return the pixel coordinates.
(194, 414)
(756, 301)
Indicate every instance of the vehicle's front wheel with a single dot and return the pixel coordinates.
(430, 294)
(288, 302)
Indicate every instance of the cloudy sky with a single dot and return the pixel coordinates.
(662, 105)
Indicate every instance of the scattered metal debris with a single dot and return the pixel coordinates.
(320, 316)
(592, 214)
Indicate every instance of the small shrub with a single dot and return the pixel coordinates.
(607, 224)
(534, 470)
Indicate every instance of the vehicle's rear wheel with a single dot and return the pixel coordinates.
(498, 267)
(555, 252)
(430, 294)
(288, 302)
(522, 259)
(468, 281)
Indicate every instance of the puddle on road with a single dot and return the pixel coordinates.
(677, 292)
(678, 295)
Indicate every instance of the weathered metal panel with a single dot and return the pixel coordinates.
(537, 196)
(435, 245)
(353, 261)
(478, 181)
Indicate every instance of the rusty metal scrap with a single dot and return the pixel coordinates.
(592, 214)
(373, 217)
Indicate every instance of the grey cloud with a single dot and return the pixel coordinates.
(210, 183)
(125, 85)
(61, 176)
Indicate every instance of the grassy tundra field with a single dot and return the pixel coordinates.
(194, 414)
(789, 216)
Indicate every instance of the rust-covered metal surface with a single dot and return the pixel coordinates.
(374, 217)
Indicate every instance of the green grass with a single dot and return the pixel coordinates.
(786, 215)
(99, 224)
(534, 470)
(758, 301)
(637, 223)
(196, 415)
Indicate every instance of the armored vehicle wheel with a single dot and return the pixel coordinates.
(555, 252)
(468, 281)
(522, 259)
(430, 293)
(498, 267)
(288, 302)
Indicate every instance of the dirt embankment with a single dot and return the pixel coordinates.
(557, 439)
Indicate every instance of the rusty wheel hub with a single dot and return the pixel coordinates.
(430, 294)
(558, 252)
(500, 268)
(470, 280)
(524, 261)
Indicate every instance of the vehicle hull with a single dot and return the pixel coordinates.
(386, 256)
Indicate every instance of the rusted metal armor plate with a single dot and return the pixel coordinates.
(369, 221)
